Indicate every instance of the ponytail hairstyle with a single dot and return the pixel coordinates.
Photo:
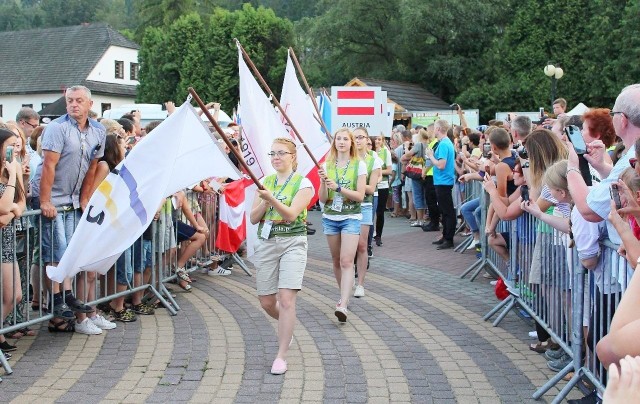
(292, 149)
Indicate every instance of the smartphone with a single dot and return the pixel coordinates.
(615, 195)
(524, 192)
(481, 174)
(575, 137)
(486, 150)
(541, 112)
(9, 154)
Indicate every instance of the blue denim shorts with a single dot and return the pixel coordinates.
(367, 215)
(417, 187)
(347, 226)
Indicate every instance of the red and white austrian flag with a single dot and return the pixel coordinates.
(358, 106)
(356, 102)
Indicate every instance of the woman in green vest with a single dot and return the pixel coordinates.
(342, 187)
(280, 254)
(384, 153)
(373, 164)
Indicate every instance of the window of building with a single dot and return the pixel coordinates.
(135, 69)
(27, 105)
(105, 106)
(119, 69)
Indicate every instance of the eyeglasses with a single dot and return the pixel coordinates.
(612, 113)
(280, 153)
(33, 126)
(360, 137)
(633, 162)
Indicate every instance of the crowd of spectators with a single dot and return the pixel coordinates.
(565, 180)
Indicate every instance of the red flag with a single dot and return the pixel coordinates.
(356, 102)
(231, 227)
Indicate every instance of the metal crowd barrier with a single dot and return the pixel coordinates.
(27, 243)
(547, 282)
(470, 191)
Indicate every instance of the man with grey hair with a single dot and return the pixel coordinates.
(520, 128)
(71, 146)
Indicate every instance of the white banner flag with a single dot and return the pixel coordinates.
(299, 108)
(178, 153)
(260, 126)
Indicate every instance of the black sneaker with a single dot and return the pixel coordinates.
(430, 227)
(78, 306)
(591, 398)
(7, 347)
(7, 355)
(445, 245)
(369, 251)
(63, 311)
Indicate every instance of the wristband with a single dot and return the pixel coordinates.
(573, 169)
(9, 185)
(338, 189)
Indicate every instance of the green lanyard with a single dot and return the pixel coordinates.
(344, 173)
(275, 185)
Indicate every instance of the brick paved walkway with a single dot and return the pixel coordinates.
(417, 336)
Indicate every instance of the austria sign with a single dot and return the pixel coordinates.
(352, 107)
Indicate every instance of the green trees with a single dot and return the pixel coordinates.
(200, 52)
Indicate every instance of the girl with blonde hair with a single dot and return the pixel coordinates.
(342, 190)
(281, 249)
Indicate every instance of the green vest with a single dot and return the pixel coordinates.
(383, 153)
(281, 227)
(369, 160)
(348, 181)
(430, 170)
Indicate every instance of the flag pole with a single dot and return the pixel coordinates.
(275, 101)
(311, 94)
(224, 137)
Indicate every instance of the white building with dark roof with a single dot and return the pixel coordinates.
(38, 65)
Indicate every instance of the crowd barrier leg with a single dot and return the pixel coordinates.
(241, 263)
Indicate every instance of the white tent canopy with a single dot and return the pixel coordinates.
(578, 109)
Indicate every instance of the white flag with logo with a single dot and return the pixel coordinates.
(260, 126)
(299, 108)
(178, 153)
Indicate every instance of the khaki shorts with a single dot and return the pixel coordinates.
(280, 263)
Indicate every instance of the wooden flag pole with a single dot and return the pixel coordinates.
(275, 101)
(224, 137)
(311, 94)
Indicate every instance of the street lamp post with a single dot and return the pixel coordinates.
(556, 73)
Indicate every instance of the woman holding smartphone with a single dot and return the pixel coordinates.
(342, 189)
(12, 204)
(281, 250)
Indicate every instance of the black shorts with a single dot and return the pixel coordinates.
(184, 231)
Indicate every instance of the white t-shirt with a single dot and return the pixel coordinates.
(305, 183)
(362, 170)
(384, 184)
(377, 164)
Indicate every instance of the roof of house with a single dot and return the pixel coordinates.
(407, 96)
(52, 59)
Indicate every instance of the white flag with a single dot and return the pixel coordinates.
(178, 153)
(299, 108)
(260, 126)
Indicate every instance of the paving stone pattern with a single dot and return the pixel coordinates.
(417, 336)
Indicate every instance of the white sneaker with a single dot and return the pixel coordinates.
(359, 291)
(219, 272)
(103, 323)
(493, 283)
(533, 334)
(87, 327)
(472, 245)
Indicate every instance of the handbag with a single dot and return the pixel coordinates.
(415, 166)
